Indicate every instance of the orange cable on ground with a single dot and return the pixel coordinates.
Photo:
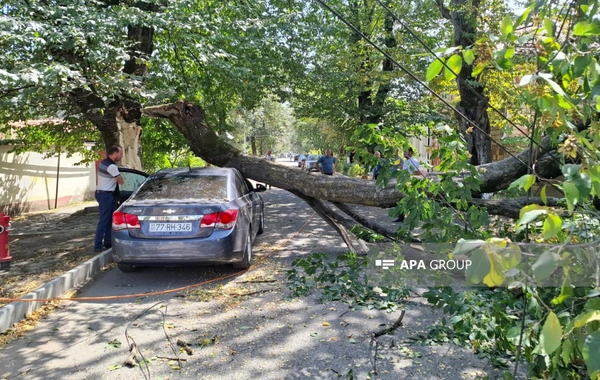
(163, 291)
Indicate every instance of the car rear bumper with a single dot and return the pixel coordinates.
(222, 247)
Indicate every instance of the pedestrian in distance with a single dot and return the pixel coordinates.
(302, 161)
(411, 165)
(379, 166)
(398, 161)
(351, 156)
(108, 178)
(326, 164)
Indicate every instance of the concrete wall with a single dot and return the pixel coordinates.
(28, 181)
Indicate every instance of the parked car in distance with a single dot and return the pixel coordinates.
(296, 156)
(188, 216)
(311, 162)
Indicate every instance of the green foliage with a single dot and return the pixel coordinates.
(343, 279)
(366, 234)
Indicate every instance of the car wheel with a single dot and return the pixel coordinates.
(261, 226)
(247, 260)
(127, 268)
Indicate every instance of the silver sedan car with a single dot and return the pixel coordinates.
(188, 216)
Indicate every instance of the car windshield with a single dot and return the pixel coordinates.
(182, 187)
(313, 157)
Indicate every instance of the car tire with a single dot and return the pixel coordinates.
(127, 268)
(247, 259)
(261, 226)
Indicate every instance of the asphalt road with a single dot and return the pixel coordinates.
(262, 335)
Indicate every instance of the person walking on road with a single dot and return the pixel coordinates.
(108, 178)
(326, 164)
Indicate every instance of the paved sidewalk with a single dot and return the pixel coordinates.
(224, 334)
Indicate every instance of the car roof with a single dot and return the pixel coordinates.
(198, 171)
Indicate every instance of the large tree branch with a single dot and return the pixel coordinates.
(191, 121)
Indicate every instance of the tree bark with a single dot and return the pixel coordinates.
(473, 102)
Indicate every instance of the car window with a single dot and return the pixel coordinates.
(241, 186)
(132, 181)
(183, 187)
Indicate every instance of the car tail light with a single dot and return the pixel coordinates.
(121, 221)
(224, 219)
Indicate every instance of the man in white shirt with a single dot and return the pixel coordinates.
(108, 177)
(411, 164)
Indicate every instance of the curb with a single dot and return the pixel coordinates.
(16, 311)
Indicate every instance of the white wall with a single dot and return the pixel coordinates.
(28, 181)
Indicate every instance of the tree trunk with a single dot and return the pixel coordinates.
(473, 102)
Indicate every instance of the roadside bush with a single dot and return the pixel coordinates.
(355, 170)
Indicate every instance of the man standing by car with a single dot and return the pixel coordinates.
(108, 177)
(326, 163)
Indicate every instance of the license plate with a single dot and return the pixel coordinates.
(170, 227)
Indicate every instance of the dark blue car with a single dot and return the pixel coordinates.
(188, 216)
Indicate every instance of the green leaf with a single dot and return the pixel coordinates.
(531, 216)
(526, 79)
(545, 265)
(552, 226)
(524, 182)
(478, 69)
(591, 354)
(466, 246)
(555, 86)
(469, 56)
(549, 26)
(584, 185)
(495, 276)
(551, 335)
(506, 27)
(434, 69)
(585, 28)
(594, 173)
(567, 350)
(479, 268)
(524, 15)
(543, 195)
(454, 64)
(571, 194)
(581, 63)
(583, 319)
(570, 170)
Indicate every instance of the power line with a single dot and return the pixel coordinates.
(414, 77)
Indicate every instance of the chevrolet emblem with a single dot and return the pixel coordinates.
(169, 211)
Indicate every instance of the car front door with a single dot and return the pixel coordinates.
(133, 179)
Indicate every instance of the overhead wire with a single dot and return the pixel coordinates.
(416, 79)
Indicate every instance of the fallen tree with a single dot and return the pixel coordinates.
(190, 120)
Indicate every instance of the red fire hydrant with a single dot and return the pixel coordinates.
(5, 258)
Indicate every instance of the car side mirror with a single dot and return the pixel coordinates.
(260, 187)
